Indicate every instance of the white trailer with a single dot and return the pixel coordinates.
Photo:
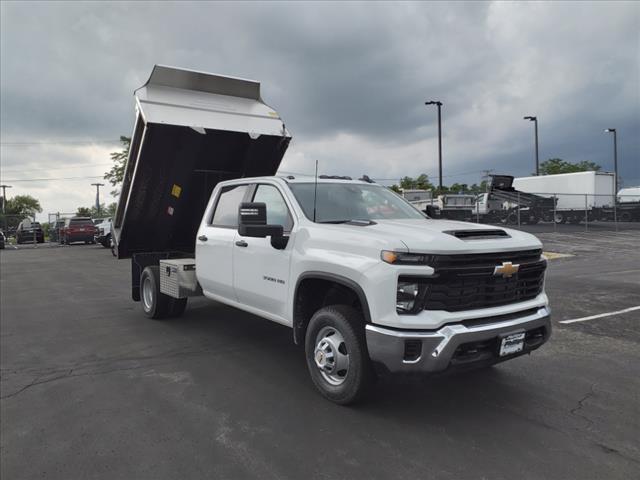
(576, 193)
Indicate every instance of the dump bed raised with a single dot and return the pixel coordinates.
(192, 130)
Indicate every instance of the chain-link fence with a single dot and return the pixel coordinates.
(539, 212)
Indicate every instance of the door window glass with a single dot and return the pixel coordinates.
(277, 211)
(226, 212)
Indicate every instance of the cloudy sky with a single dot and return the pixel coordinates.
(350, 81)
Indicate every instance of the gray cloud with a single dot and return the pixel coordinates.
(350, 80)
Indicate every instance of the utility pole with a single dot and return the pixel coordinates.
(535, 121)
(615, 156)
(439, 105)
(4, 196)
(98, 185)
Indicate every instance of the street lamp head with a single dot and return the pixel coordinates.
(530, 118)
(609, 129)
(433, 102)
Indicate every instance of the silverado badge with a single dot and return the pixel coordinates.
(507, 269)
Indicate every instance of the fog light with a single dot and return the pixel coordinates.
(406, 296)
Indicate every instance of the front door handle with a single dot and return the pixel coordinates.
(242, 243)
(203, 238)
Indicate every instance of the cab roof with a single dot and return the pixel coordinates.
(323, 179)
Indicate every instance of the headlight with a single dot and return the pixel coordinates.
(401, 258)
(406, 296)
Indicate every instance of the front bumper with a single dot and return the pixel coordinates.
(465, 344)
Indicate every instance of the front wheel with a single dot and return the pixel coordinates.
(336, 354)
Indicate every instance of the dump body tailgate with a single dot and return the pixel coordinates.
(192, 130)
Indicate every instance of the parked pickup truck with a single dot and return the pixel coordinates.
(368, 284)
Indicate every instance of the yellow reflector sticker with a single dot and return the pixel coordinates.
(176, 190)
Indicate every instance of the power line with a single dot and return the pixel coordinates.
(280, 172)
(53, 178)
(56, 168)
(71, 142)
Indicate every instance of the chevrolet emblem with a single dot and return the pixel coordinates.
(507, 269)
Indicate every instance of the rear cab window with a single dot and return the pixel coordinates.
(78, 222)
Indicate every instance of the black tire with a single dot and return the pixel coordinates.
(106, 242)
(512, 218)
(625, 217)
(177, 307)
(359, 376)
(560, 218)
(154, 304)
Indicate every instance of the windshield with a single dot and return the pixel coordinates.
(341, 202)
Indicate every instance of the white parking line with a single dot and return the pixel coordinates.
(592, 317)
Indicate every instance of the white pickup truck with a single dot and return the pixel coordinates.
(368, 284)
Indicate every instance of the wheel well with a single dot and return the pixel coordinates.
(314, 293)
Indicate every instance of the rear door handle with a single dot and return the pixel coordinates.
(203, 238)
(242, 243)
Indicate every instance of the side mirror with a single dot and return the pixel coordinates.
(252, 222)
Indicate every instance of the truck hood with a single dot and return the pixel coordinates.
(437, 236)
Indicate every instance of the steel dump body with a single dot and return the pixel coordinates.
(192, 131)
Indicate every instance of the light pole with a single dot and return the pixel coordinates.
(98, 185)
(535, 121)
(439, 105)
(615, 155)
(4, 196)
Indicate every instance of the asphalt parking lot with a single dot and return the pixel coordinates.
(92, 389)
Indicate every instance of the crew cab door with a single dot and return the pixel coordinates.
(215, 242)
(260, 271)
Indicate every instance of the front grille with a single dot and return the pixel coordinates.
(467, 282)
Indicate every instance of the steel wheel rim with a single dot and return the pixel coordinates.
(147, 294)
(330, 356)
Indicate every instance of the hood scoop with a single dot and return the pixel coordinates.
(478, 234)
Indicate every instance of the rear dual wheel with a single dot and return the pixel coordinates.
(155, 304)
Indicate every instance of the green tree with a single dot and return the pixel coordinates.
(92, 211)
(554, 166)
(105, 211)
(116, 174)
(17, 209)
(409, 183)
